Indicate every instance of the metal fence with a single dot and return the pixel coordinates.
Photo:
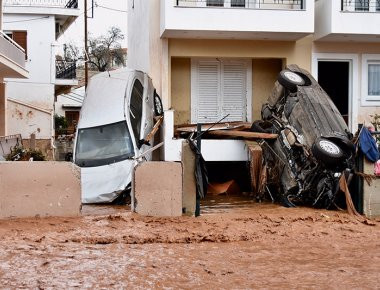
(43, 3)
(254, 4)
(65, 69)
(7, 143)
(360, 5)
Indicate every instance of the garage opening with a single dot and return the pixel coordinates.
(229, 187)
(334, 78)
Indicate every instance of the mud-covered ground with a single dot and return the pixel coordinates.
(247, 245)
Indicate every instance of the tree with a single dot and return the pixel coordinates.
(103, 51)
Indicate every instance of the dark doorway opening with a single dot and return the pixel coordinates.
(334, 78)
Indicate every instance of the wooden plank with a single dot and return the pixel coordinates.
(221, 126)
(242, 134)
(155, 129)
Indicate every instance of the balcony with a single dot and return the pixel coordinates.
(12, 58)
(43, 3)
(65, 76)
(65, 11)
(65, 69)
(237, 19)
(347, 20)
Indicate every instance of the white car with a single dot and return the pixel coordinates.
(116, 115)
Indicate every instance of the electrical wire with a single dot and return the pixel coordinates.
(25, 20)
(109, 8)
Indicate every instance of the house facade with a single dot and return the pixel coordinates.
(12, 65)
(346, 56)
(213, 58)
(35, 26)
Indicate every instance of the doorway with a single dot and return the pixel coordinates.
(334, 78)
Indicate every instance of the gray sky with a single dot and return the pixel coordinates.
(103, 19)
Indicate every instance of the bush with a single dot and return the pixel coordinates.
(19, 153)
(60, 124)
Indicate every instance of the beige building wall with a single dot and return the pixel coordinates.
(268, 58)
(357, 48)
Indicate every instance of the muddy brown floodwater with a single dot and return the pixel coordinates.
(235, 244)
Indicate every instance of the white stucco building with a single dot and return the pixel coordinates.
(195, 50)
(36, 26)
(12, 65)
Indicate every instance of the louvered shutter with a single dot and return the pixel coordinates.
(234, 91)
(218, 88)
(208, 91)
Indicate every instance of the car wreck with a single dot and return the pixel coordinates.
(313, 148)
(116, 118)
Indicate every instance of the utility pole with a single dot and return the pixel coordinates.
(85, 46)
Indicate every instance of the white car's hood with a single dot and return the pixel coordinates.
(103, 184)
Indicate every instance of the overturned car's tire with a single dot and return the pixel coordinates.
(262, 127)
(290, 80)
(327, 152)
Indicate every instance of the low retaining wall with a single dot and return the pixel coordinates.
(371, 193)
(157, 189)
(29, 189)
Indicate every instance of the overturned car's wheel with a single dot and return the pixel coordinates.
(327, 152)
(290, 80)
(158, 109)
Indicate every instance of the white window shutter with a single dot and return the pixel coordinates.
(208, 109)
(218, 88)
(234, 91)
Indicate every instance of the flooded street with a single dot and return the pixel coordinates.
(236, 243)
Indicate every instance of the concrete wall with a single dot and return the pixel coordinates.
(146, 50)
(29, 189)
(154, 194)
(264, 74)
(181, 90)
(193, 21)
(330, 19)
(371, 193)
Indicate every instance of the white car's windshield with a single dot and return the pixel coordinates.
(103, 145)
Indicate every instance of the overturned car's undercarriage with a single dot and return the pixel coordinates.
(313, 148)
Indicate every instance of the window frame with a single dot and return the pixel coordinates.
(137, 134)
(194, 85)
(368, 100)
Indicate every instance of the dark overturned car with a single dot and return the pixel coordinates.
(313, 148)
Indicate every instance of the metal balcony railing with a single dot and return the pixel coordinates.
(43, 3)
(65, 69)
(10, 49)
(360, 5)
(253, 4)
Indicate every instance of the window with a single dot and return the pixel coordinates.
(377, 5)
(371, 79)
(361, 5)
(237, 3)
(222, 3)
(374, 79)
(20, 37)
(135, 110)
(219, 88)
(217, 3)
(103, 145)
